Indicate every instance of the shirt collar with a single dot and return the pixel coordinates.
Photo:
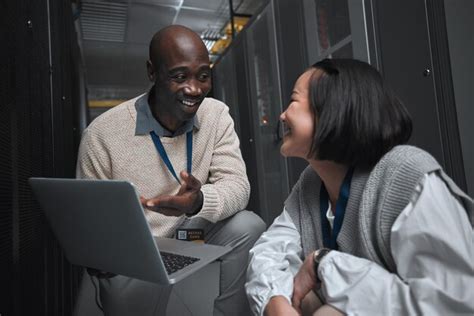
(147, 123)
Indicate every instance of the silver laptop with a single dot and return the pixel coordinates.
(101, 224)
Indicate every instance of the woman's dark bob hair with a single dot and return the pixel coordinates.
(357, 117)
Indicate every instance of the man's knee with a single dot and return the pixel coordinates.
(246, 224)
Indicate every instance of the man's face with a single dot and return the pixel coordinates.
(183, 79)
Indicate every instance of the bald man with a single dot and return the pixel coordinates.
(204, 188)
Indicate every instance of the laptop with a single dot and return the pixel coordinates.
(101, 224)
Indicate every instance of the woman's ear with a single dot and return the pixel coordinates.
(150, 71)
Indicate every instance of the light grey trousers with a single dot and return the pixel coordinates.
(121, 295)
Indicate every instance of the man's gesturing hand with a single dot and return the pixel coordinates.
(188, 200)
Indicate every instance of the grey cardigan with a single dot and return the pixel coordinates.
(376, 199)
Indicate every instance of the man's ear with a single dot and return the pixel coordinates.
(150, 71)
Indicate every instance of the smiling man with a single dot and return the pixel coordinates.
(180, 150)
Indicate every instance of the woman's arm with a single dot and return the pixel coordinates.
(432, 245)
(274, 260)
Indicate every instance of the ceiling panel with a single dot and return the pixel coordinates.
(146, 20)
(199, 20)
(248, 6)
(215, 6)
(174, 3)
(104, 21)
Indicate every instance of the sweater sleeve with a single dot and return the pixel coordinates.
(227, 189)
(92, 161)
(432, 244)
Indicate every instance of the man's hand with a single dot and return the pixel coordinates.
(188, 200)
(304, 281)
(279, 306)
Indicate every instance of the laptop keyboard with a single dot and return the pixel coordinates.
(174, 262)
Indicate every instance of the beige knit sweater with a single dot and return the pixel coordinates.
(110, 150)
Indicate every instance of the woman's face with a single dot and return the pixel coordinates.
(298, 119)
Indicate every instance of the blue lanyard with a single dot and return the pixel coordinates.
(330, 237)
(164, 156)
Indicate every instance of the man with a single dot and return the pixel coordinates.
(175, 127)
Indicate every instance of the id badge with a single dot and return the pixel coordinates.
(189, 234)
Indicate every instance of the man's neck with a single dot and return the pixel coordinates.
(167, 120)
(332, 174)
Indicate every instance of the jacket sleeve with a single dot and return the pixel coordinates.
(227, 190)
(274, 260)
(432, 244)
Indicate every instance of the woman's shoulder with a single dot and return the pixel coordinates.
(406, 159)
(399, 171)
(389, 189)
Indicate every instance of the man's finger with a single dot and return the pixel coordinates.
(191, 182)
(183, 188)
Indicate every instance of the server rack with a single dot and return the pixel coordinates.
(413, 57)
(266, 106)
(38, 137)
(256, 76)
(231, 85)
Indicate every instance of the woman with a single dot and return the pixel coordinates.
(372, 226)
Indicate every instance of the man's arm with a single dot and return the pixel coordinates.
(227, 190)
(92, 159)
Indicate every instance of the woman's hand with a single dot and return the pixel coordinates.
(304, 281)
(279, 306)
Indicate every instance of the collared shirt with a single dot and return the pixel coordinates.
(330, 215)
(146, 122)
(432, 248)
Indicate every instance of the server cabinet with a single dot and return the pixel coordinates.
(247, 130)
(224, 86)
(231, 85)
(37, 138)
(266, 105)
(292, 61)
(336, 29)
(461, 49)
(413, 57)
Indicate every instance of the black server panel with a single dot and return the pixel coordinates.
(38, 138)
